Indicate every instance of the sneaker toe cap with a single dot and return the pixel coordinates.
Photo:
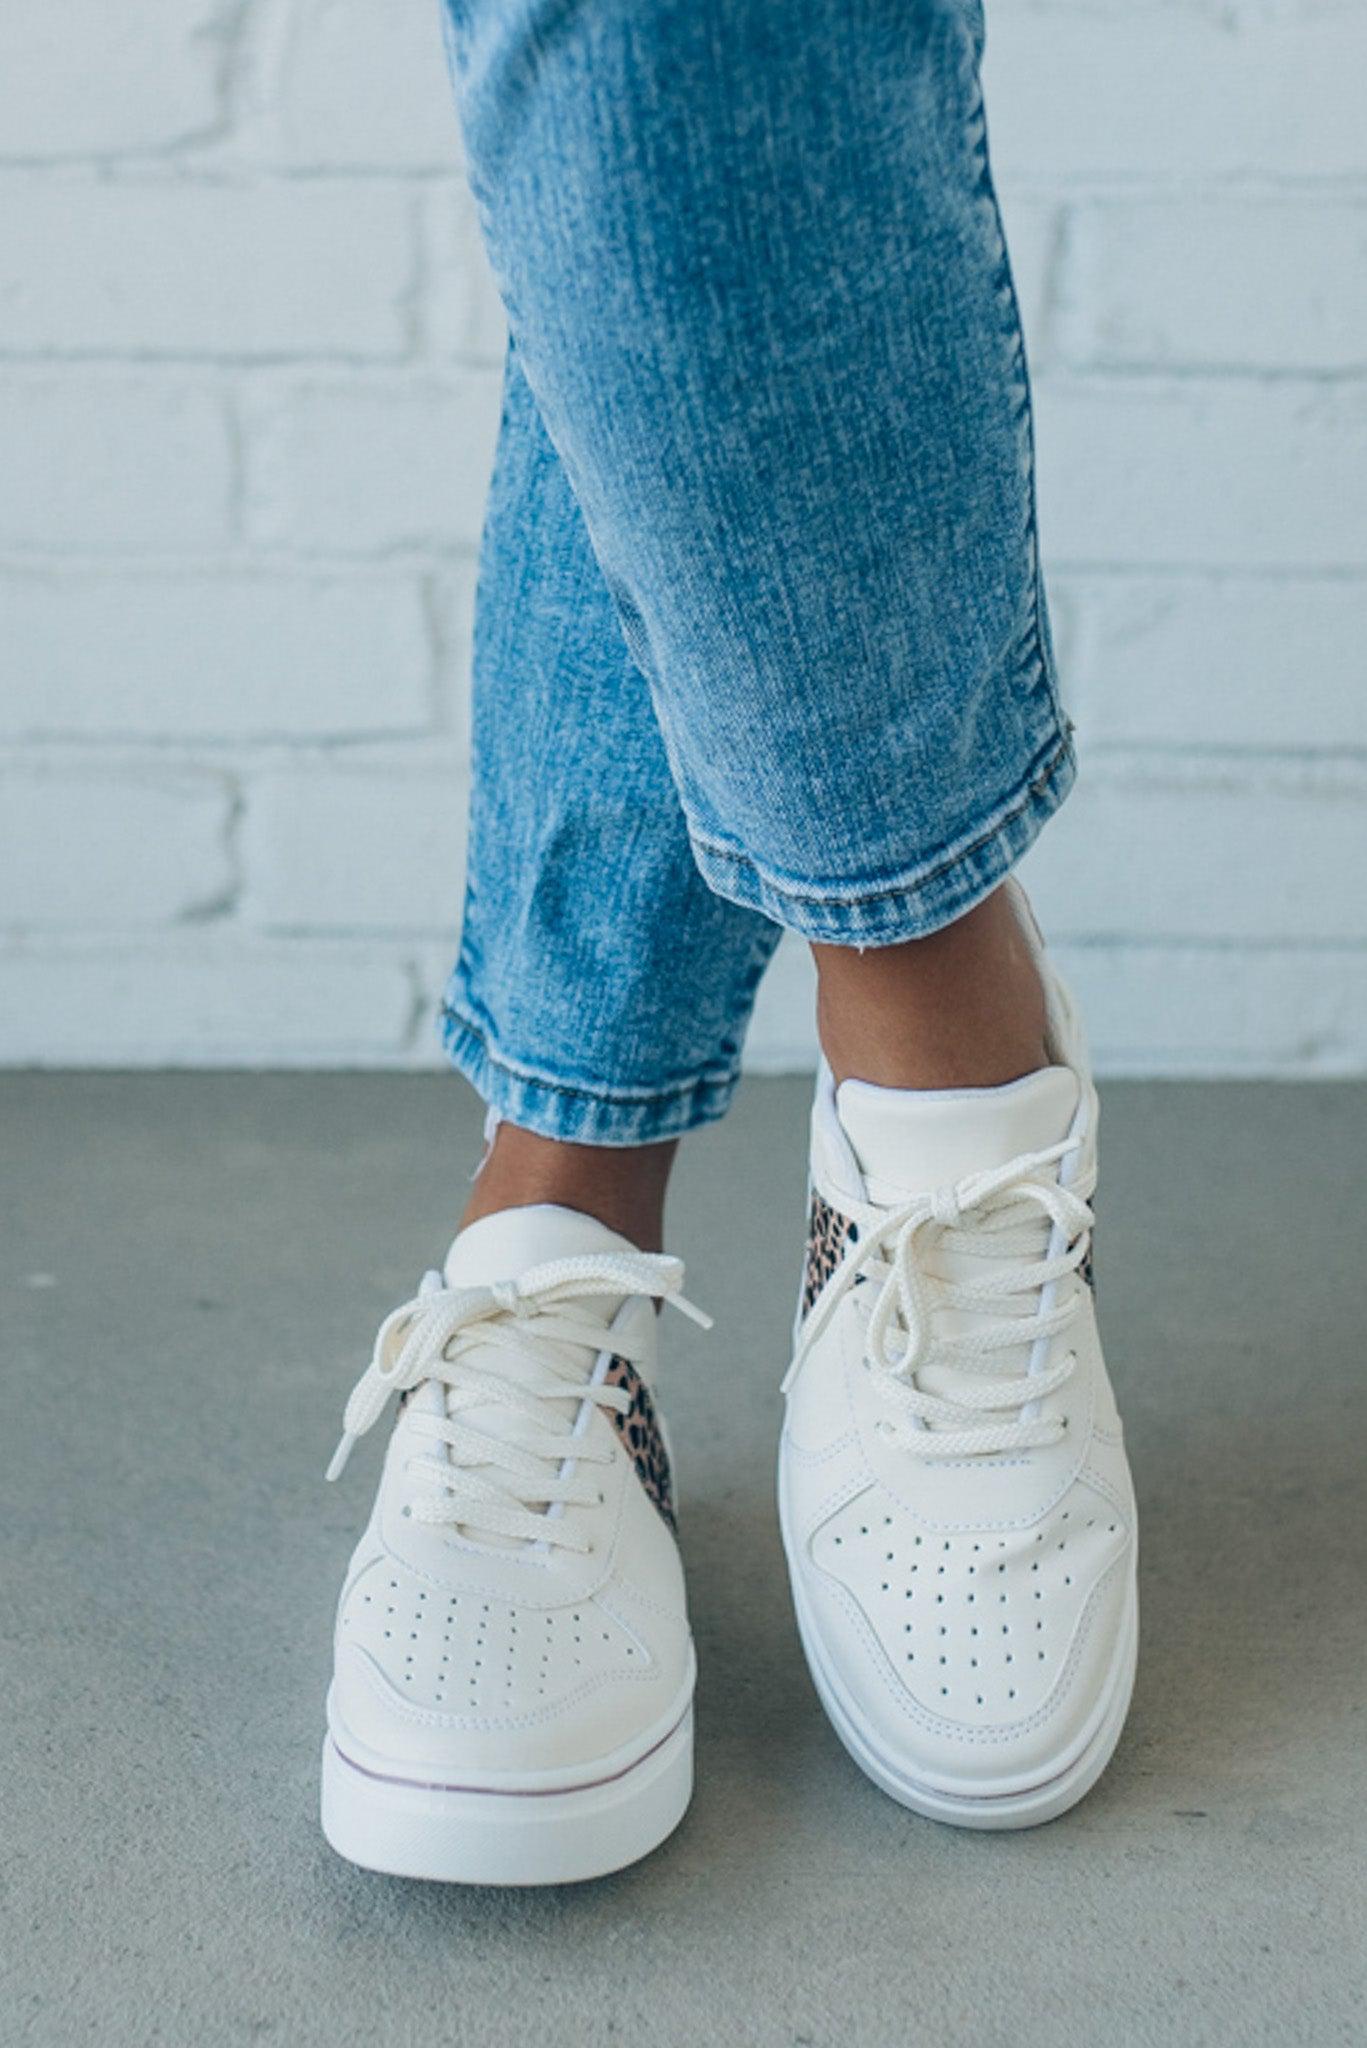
(449, 1680)
(977, 1661)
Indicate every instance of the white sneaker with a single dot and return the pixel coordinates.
(512, 1697)
(956, 1504)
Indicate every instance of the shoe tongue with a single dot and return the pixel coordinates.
(501, 1246)
(909, 1141)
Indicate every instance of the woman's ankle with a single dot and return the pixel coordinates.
(963, 1008)
(622, 1186)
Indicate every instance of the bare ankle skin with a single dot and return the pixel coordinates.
(622, 1185)
(963, 1008)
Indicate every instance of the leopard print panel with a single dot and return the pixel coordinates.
(829, 1235)
(639, 1429)
(1086, 1272)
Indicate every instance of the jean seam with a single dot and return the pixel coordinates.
(573, 1114)
(722, 1077)
(911, 881)
(1044, 670)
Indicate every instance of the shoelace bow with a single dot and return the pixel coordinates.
(990, 1215)
(473, 1478)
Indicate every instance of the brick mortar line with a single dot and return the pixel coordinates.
(1327, 772)
(168, 170)
(444, 377)
(1090, 190)
(1055, 364)
(269, 564)
(401, 560)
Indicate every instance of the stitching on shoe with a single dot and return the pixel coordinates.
(958, 1731)
(430, 1717)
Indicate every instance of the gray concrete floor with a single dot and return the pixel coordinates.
(192, 1270)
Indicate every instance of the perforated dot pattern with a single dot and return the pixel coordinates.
(459, 1653)
(977, 1626)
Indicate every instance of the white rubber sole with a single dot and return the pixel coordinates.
(456, 1836)
(1028, 1808)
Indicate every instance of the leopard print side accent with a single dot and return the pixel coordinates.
(639, 1428)
(829, 1236)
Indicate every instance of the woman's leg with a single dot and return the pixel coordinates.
(768, 349)
(755, 274)
(754, 268)
(602, 989)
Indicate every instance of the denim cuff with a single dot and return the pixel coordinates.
(888, 909)
(905, 906)
(576, 1114)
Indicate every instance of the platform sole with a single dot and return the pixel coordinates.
(454, 1835)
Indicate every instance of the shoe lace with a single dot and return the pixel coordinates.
(973, 1409)
(479, 1479)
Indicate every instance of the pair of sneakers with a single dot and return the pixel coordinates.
(513, 1691)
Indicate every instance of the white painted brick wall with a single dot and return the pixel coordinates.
(1152, 286)
(226, 654)
(227, 269)
(373, 466)
(1187, 94)
(93, 462)
(86, 81)
(377, 848)
(1230, 473)
(248, 386)
(83, 850)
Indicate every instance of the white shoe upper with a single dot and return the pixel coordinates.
(957, 1504)
(514, 1615)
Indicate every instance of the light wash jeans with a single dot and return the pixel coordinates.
(760, 639)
